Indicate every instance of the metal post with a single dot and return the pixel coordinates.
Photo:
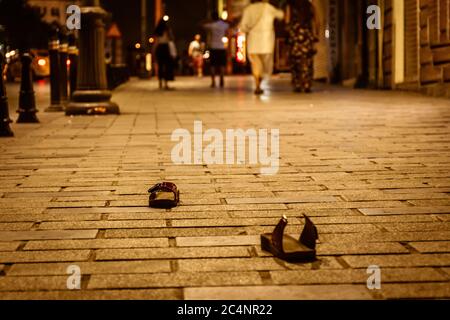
(63, 46)
(5, 130)
(92, 95)
(73, 58)
(27, 103)
(55, 91)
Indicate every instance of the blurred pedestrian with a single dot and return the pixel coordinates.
(218, 54)
(196, 50)
(165, 52)
(303, 30)
(258, 23)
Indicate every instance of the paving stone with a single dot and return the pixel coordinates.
(347, 205)
(431, 247)
(294, 213)
(174, 232)
(113, 267)
(405, 210)
(322, 292)
(9, 246)
(231, 207)
(49, 217)
(423, 226)
(391, 220)
(102, 224)
(177, 279)
(411, 260)
(41, 235)
(386, 237)
(33, 283)
(360, 248)
(416, 291)
(44, 256)
(167, 215)
(76, 204)
(96, 244)
(431, 203)
(217, 241)
(170, 253)
(280, 200)
(15, 226)
(152, 294)
(251, 264)
(354, 276)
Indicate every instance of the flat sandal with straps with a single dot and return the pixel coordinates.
(289, 249)
(164, 195)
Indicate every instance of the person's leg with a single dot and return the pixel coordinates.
(309, 74)
(222, 74)
(169, 72)
(213, 76)
(296, 74)
(160, 74)
(256, 64)
(305, 77)
(267, 60)
(200, 66)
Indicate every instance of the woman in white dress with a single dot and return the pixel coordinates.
(258, 23)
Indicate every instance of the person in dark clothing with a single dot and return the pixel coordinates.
(217, 30)
(165, 54)
(302, 34)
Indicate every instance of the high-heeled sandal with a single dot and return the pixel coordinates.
(286, 247)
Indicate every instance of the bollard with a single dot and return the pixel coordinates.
(55, 91)
(63, 45)
(27, 103)
(92, 96)
(73, 58)
(5, 130)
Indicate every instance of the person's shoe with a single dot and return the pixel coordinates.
(298, 90)
(213, 85)
(259, 91)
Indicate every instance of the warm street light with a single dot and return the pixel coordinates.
(166, 18)
(224, 15)
(137, 45)
(151, 40)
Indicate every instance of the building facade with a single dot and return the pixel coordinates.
(411, 50)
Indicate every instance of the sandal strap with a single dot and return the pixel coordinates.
(277, 235)
(166, 186)
(309, 234)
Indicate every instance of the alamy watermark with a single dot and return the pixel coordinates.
(74, 20)
(227, 148)
(374, 19)
(74, 280)
(374, 280)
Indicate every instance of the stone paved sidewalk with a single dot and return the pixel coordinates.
(371, 168)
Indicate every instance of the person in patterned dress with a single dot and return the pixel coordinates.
(302, 34)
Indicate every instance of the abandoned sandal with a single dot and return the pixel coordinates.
(289, 249)
(164, 195)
